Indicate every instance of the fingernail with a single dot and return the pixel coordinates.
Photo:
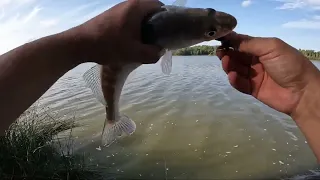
(220, 49)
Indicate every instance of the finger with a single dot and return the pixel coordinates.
(228, 65)
(150, 4)
(239, 57)
(140, 12)
(257, 75)
(220, 52)
(146, 54)
(256, 46)
(239, 82)
(144, 8)
(233, 39)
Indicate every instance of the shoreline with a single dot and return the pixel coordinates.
(206, 50)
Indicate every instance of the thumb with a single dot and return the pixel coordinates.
(256, 46)
(146, 54)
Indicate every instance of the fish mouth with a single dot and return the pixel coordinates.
(226, 21)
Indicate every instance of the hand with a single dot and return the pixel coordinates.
(268, 69)
(114, 36)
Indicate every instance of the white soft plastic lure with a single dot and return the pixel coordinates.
(173, 27)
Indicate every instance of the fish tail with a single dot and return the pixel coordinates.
(112, 131)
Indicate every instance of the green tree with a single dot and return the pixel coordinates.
(206, 50)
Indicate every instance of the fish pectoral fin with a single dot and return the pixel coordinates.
(112, 132)
(179, 2)
(166, 62)
(93, 81)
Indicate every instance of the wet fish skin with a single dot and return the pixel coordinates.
(175, 27)
(113, 78)
(106, 82)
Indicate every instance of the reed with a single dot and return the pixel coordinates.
(39, 146)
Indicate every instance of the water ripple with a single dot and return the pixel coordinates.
(191, 119)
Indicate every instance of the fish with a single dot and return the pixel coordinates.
(172, 27)
(176, 26)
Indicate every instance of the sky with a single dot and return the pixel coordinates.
(297, 22)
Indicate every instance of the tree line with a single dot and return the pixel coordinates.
(211, 51)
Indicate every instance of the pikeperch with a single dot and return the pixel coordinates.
(173, 27)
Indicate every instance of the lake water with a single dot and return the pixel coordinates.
(190, 125)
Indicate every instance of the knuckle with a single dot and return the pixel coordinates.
(152, 58)
(276, 42)
(155, 58)
(150, 4)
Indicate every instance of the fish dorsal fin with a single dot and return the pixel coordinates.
(166, 62)
(179, 2)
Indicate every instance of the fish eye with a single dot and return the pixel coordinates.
(211, 33)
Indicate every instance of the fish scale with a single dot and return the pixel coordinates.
(174, 27)
(108, 84)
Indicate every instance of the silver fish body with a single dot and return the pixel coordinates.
(175, 27)
(106, 83)
(171, 28)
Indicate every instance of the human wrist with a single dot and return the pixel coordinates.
(89, 44)
(75, 44)
(56, 50)
(308, 107)
(307, 115)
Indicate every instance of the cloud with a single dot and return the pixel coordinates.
(313, 23)
(93, 14)
(299, 4)
(49, 22)
(246, 3)
(316, 17)
(14, 4)
(32, 14)
(1, 13)
(24, 20)
(4, 3)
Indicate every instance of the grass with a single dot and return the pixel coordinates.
(38, 146)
